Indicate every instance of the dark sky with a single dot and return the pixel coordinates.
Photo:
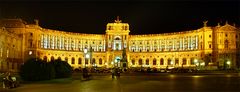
(144, 17)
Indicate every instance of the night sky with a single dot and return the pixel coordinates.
(144, 17)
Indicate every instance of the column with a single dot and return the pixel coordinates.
(173, 43)
(196, 42)
(165, 44)
(160, 44)
(183, 47)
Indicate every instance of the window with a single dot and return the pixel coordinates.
(184, 61)
(161, 61)
(7, 52)
(133, 62)
(140, 62)
(31, 34)
(45, 58)
(226, 35)
(176, 61)
(79, 61)
(1, 52)
(66, 59)
(12, 65)
(93, 61)
(169, 62)
(147, 61)
(52, 58)
(100, 61)
(210, 36)
(86, 61)
(210, 46)
(59, 58)
(73, 60)
(154, 61)
(226, 43)
(192, 61)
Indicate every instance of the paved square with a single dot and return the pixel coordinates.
(140, 83)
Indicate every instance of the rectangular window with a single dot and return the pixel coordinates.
(176, 61)
(52, 41)
(12, 65)
(42, 41)
(1, 52)
(45, 41)
(7, 53)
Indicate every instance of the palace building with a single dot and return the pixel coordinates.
(217, 46)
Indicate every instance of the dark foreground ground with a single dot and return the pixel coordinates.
(219, 82)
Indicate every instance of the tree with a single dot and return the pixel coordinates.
(207, 59)
(35, 69)
(62, 68)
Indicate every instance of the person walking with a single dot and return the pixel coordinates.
(113, 72)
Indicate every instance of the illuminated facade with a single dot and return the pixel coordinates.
(213, 46)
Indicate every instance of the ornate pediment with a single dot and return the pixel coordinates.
(227, 27)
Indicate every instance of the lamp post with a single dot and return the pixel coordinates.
(197, 63)
(228, 64)
(86, 56)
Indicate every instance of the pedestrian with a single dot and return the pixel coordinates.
(113, 71)
(85, 73)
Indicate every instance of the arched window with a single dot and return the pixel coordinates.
(154, 61)
(100, 61)
(73, 60)
(93, 61)
(184, 61)
(133, 62)
(79, 61)
(176, 61)
(45, 58)
(147, 61)
(66, 59)
(52, 58)
(161, 61)
(59, 58)
(169, 61)
(140, 62)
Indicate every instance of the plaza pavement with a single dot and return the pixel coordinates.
(138, 82)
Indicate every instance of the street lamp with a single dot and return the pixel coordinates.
(196, 61)
(86, 55)
(171, 62)
(228, 63)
